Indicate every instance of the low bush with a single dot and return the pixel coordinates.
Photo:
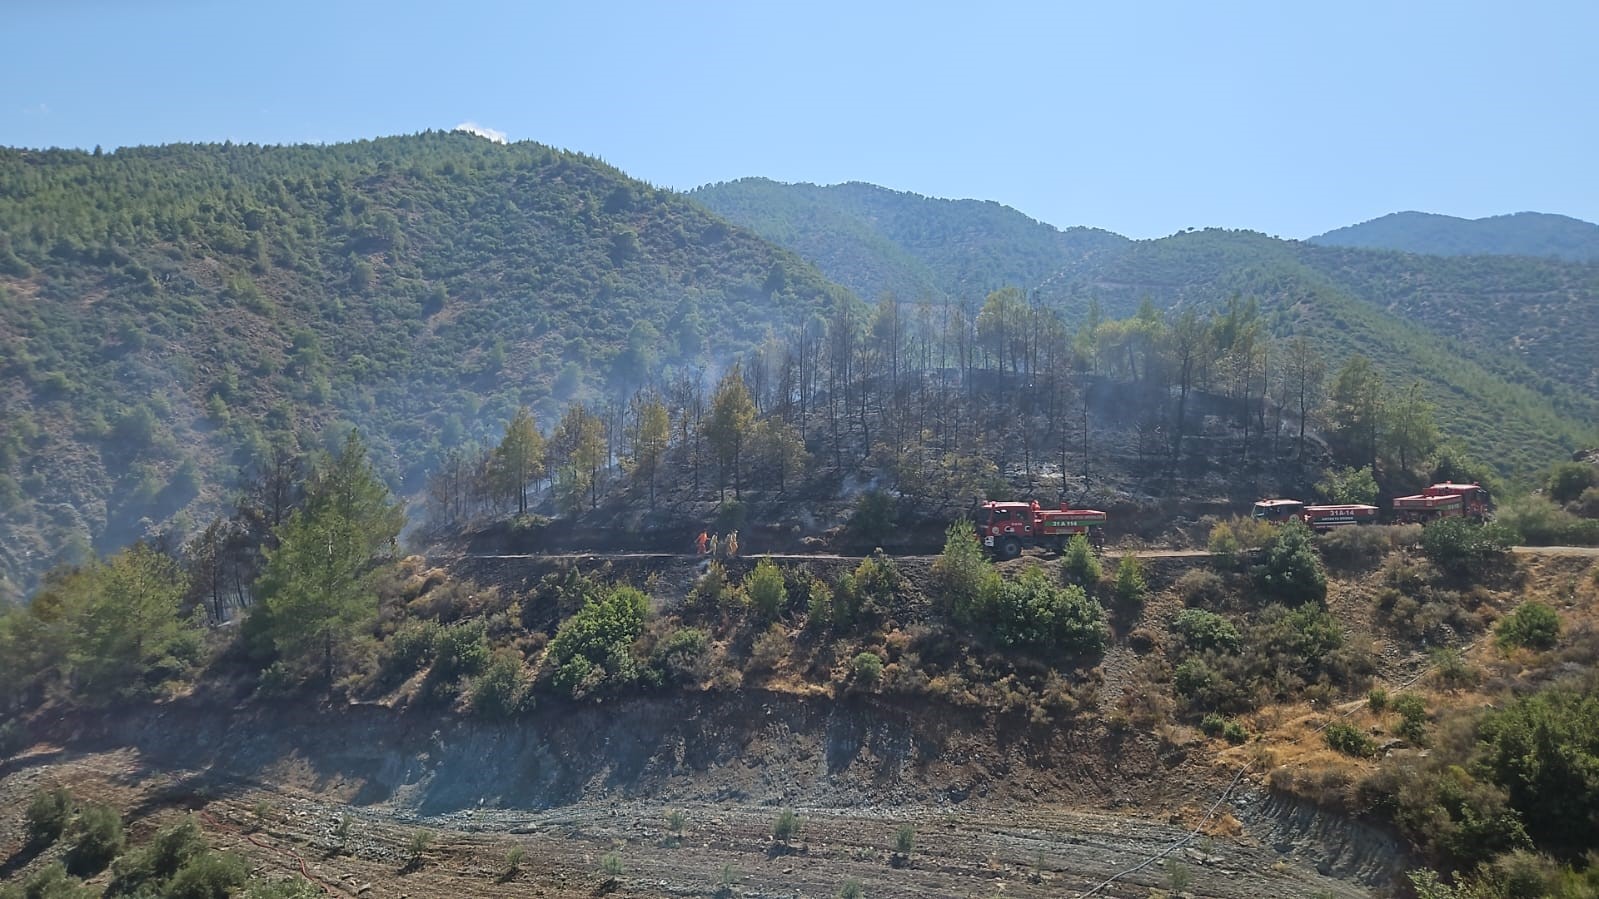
(786, 826)
(766, 590)
(684, 657)
(1357, 548)
(1532, 625)
(1290, 570)
(1465, 547)
(1202, 631)
(1079, 565)
(502, 689)
(97, 839)
(1198, 587)
(1223, 545)
(1131, 588)
(47, 816)
(867, 669)
(1348, 740)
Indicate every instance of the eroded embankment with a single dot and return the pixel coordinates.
(845, 761)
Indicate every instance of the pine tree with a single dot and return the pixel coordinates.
(732, 418)
(519, 459)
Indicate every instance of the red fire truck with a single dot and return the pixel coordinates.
(1007, 527)
(1320, 518)
(1444, 501)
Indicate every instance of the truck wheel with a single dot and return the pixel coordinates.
(1010, 548)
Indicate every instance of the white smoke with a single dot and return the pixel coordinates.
(481, 131)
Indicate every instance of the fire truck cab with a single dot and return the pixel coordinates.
(1446, 500)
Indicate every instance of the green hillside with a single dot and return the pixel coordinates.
(170, 314)
(1522, 234)
(1498, 341)
(875, 240)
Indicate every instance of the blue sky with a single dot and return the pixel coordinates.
(1145, 119)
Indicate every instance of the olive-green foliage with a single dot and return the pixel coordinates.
(611, 865)
(1280, 652)
(317, 586)
(1036, 614)
(1412, 711)
(409, 649)
(1537, 521)
(867, 668)
(865, 596)
(1364, 546)
(765, 588)
(683, 657)
(1543, 750)
(1223, 545)
(1078, 564)
(460, 650)
(962, 571)
(1349, 740)
(1215, 725)
(905, 839)
(51, 882)
(1131, 587)
(1568, 480)
(1462, 547)
(712, 590)
(873, 519)
(102, 632)
(502, 688)
(96, 837)
(786, 826)
(1533, 625)
(594, 648)
(47, 816)
(1206, 631)
(851, 889)
(1348, 486)
(177, 864)
(1291, 570)
(1198, 587)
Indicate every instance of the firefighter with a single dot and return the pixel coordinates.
(702, 542)
(732, 544)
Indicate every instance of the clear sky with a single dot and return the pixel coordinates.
(1289, 118)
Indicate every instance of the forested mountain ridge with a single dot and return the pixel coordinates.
(1497, 341)
(877, 240)
(168, 315)
(1519, 234)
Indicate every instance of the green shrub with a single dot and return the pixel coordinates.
(851, 889)
(1202, 630)
(1377, 699)
(867, 668)
(1234, 732)
(459, 650)
(1223, 545)
(1291, 570)
(904, 839)
(1131, 587)
(409, 648)
(97, 839)
(1412, 711)
(962, 571)
(594, 648)
(160, 859)
(1543, 750)
(765, 588)
(1198, 587)
(47, 816)
(1035, 614)
(1348, 486)
(873, 520)
(1212, 724)
(1348, 740)
(210, 875)
(1568, 480)
(1079, 565)
(51, 882)
(786, 826)
(611, 865)
(501, 689)
(1533, 625)
(683, 657)
(1463, 547)
(1356, 547)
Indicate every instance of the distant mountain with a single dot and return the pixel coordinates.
(1522, 234)
(1504, 344)
(170, 314)
(875, 240)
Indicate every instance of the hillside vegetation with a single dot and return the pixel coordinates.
(1498, 342)
(171, 315)
(1520, 234)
